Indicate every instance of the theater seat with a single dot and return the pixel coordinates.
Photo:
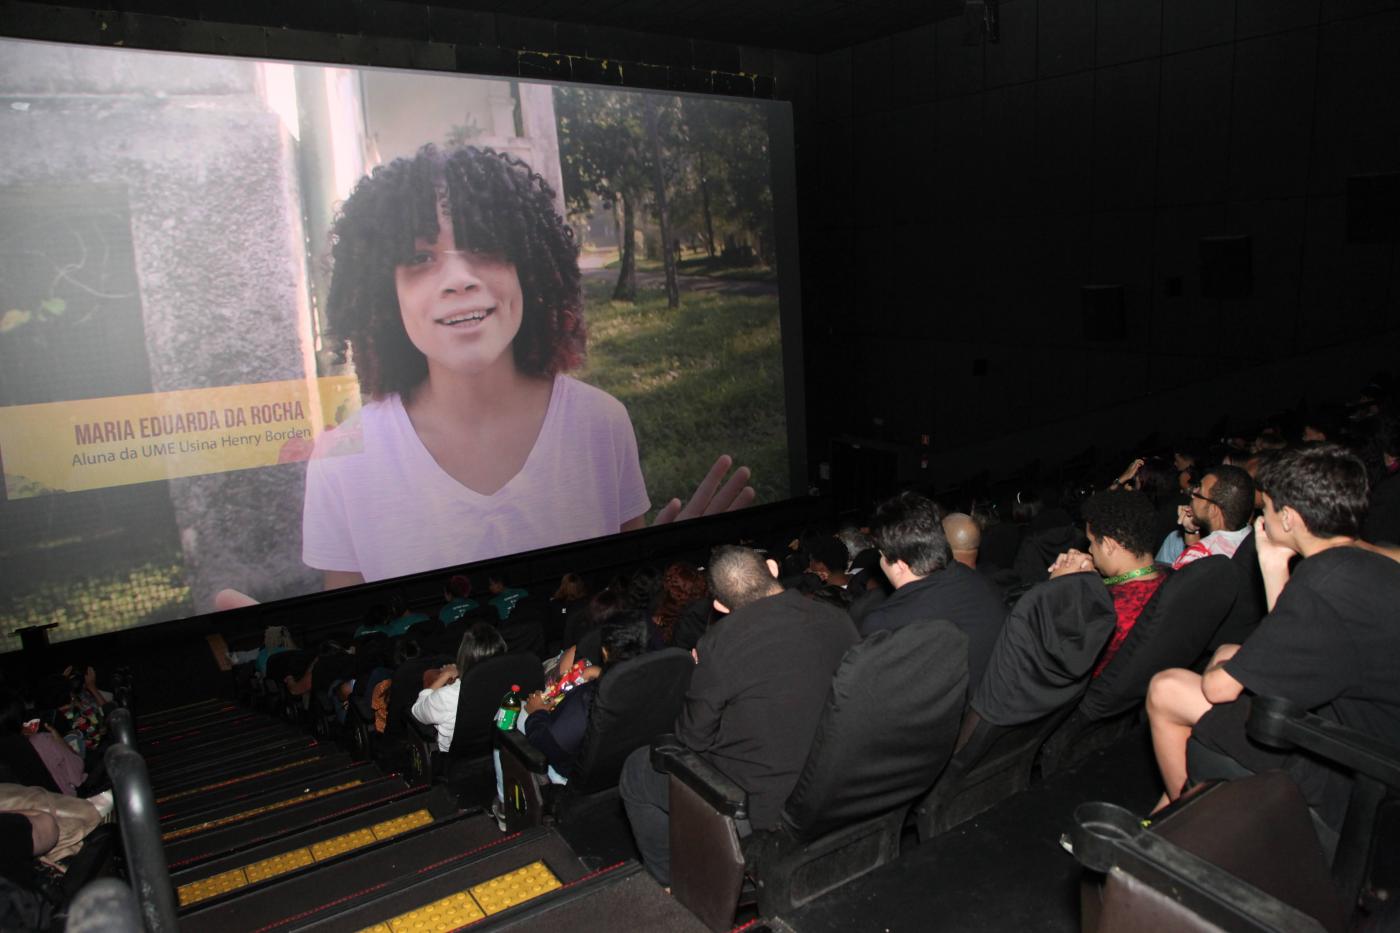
(1175, 628)
(886, 732)
(406, 743)
(1038, 671)
(468, 767)
(636, 701)
(1251, 605)
(1244, 854)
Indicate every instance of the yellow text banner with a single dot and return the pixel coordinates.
(99, 442)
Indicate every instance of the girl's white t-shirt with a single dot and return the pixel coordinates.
(379, 504)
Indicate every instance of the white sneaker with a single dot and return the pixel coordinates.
(498, 811)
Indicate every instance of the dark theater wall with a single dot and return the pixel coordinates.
(970, 192)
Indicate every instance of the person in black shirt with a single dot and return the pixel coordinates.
(929, 584)
(761, 680)
(1328, 643)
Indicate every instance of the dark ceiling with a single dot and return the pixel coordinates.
(800, 25)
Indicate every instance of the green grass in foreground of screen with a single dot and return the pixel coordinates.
(698, 381)
(154, 590)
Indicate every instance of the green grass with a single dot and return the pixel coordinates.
(643, 265)
(705, 267)
(702, 266)
(699, 380)
(103, 603)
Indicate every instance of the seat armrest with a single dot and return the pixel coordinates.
(1109, 839)
(513, 743)
(419, 730)
(712, 785)
(1281, 724)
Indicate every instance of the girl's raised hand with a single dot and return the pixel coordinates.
(710, 497)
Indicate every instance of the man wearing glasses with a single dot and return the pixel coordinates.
(1221, 507)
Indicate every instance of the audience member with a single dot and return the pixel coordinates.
(78, 708)
(557, 730)
(402, 617)
(1165, 482)
(1050, 531)
(503, 598)
(681, 585)
(584, 637)
(436, 705)
(63, 765)
(828, 558)
(376, 621)
(857, 542)
(1328, 644)
(928, 583)
(1118, 524)
(74, 817)
(459, 602)
(641, 591)
(1383, 520)
(570, 599)
(761, 680)
(1218, 518)
(964, 537)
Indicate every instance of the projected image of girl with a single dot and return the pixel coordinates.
(456, 286)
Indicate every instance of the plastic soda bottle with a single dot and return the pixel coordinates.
(510, 709)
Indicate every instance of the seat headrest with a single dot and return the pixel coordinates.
(1046, 650)
(636, 701)
(1175, 627)
(888, 728)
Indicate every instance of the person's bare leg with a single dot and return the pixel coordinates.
(1174, 704)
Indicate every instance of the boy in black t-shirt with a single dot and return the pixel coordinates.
(1328, 644)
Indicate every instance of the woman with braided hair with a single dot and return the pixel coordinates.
(456, 287)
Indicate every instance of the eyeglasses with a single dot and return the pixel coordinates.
(1196, 494)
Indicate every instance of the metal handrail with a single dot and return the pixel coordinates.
(140, 832)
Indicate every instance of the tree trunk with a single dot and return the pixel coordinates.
(626, 288)
(668, 255)
(705, 205)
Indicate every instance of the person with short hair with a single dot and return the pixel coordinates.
(964, 537)
(928, 583)
(1328, 644)
(828, 559)
(503, 597)
(1218, 517)
(761, 680)
(404, 617)
(1119, 525)
(458, 593)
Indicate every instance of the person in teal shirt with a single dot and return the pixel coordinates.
(376, 622)
(404, 618)
(459, 601)
(504, 598)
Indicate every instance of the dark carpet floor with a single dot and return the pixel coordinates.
(1004, 870)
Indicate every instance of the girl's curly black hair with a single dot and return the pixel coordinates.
(499, 207)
